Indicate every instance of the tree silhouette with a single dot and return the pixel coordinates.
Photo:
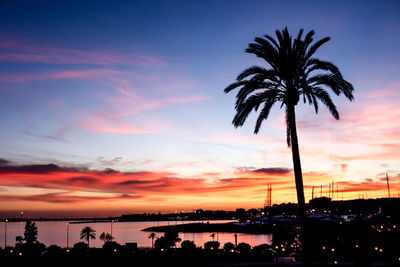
(106, 237)
(30, 234)
(188, 245)
(88, 233)
(167, 241)
(292, 74)
(172, 237)
(228, 247)
(213, 236)
(152, 236)
(29, 245)
(243, 248)
(211, 245)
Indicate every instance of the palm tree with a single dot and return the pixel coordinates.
(152, 236)
(292, 74)
(88, 233)
(212, 236)
(106, 237)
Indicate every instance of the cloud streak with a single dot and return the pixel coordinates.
(16, 51)
(73, 186)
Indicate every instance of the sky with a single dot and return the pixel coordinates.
(112, 107)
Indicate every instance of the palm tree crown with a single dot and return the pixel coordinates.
(106, 237)
(88, 233)
(293, 74)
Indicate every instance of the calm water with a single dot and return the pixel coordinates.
(56, 233)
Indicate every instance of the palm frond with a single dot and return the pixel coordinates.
(329, 80)
(347, 89)
(272, 40)
(308, 39)
(315, 102)
(264, 113)
(324, 97)
(252, 87)
(336, 83)
(250, 104)
(315, 46)
(257, 70)
(314, 64)
(233, 86)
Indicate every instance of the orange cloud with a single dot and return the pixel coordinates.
(70, 187)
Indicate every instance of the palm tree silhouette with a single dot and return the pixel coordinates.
(293, 74)
(212, 236)
(106, 237)
(88, 233)
(152, 236)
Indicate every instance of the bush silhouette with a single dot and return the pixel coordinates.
(80, 248)
(112, 247)
(54, 251)
(243, 248)
(228, 247)
(211, 245)
(188, 245)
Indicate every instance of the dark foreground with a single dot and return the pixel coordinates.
(113, 254)
(166, 259)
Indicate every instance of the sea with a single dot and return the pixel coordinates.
(65, 233)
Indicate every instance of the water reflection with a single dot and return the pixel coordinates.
(56, 233)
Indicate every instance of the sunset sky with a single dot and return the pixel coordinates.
(110, 108)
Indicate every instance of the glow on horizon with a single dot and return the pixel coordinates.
(41, 188)
(134, 119)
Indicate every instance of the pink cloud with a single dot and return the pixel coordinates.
(237, 138)
(129, 103)
(110, 129)
(14, 51)
(64, 74)
(126, 106)
(173, 165)
(106, 125)
(393, 90)
(112, 117)
(366, 131)
(113, 161)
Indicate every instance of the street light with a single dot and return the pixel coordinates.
(67, 234)
(112, 227)
(5, 234)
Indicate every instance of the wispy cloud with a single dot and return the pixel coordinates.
(63, 74)
(99, 124)
(16, 51)
(127, 103)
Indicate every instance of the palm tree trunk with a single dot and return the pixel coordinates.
(298, 177)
